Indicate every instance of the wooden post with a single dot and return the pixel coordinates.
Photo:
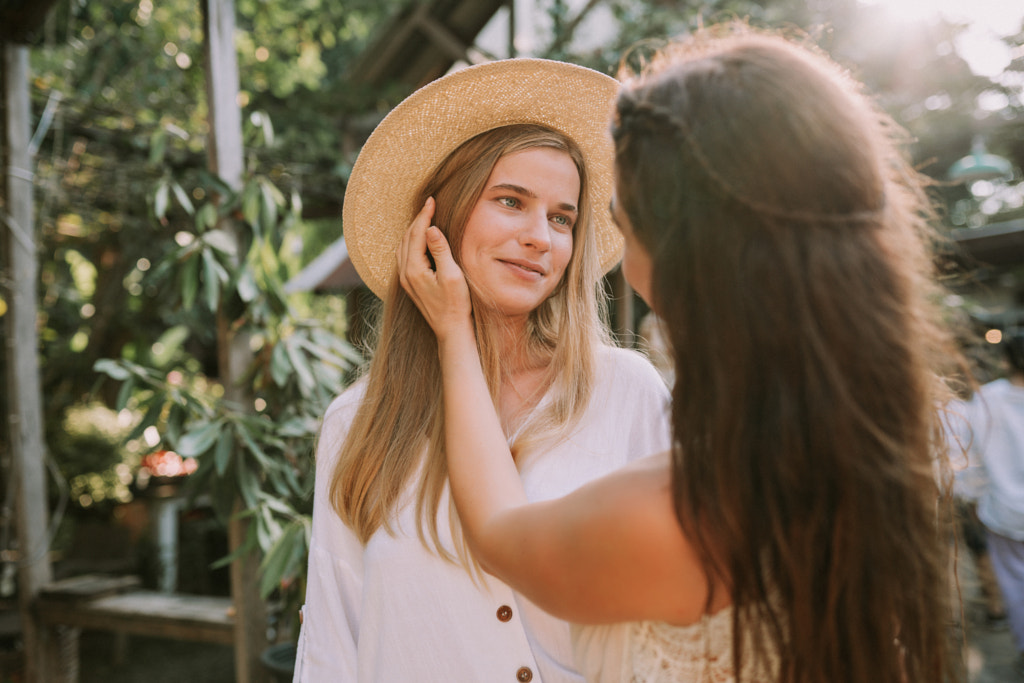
(511, 4)
(226, 161)
(20, 273)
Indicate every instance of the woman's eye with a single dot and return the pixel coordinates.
(510, 202)
(562, 219)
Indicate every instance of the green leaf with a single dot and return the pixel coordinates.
(278, 506)
(253, 447)
(189, 282)
(273, 526)
(169, 343)
(338, 344)
(237, 553)
(251, 206)
(280, 368)
(182, 197)
(272, 198)
(200, 440)
(124, 394)
(262, 119)
(248, 290)
(279, 483)
(206, 217)
(199, 482)
(222, 241)
(288, 474)
(211, 282)
(222, 456)
(161, 198)
(301, 367)
(216, 185)
(156, 407)
(111, 368)
(322, 353)
(281, 560)
(248, 484)
(175, 420)
(293, 427)
(157, 146)
(223, 494)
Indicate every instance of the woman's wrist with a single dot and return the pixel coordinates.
(457, 342)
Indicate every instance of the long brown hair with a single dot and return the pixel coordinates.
(401, 416)
(789, 241)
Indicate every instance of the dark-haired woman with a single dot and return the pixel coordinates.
(790, 534)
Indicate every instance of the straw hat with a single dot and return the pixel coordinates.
(432, 122)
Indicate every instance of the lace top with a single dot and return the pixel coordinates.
(656, 652)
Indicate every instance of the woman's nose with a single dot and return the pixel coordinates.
(534, 232)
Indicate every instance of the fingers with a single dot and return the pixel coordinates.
(412, 250)
(444, 262)
(433, 280)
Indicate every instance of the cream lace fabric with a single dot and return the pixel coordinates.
(656, 652)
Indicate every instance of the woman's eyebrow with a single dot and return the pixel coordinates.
(519, 189)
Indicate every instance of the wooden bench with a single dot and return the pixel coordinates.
(118, 604)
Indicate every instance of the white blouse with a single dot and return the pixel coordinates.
(393, 611)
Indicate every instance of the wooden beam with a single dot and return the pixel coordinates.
(234, 356)
(20, 21)
(565, 37)
(374, 65)
(225, 117)
(441, 36)
(27, 448)
(422, 41)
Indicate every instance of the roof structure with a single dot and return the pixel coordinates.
(996, 244)
(20, 19)
(423, 40)
(331, 271)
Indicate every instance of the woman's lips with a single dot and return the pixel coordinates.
(526, 267)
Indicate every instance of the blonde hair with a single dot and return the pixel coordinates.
(399, 426)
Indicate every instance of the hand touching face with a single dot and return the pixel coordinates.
(432, 279)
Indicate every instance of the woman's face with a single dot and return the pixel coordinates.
(518, 239)
(637, 267)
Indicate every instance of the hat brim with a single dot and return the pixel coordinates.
(427, 126)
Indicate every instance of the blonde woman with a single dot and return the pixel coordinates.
(513, 162)
(790, 534)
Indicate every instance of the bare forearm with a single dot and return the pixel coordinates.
(484, 479)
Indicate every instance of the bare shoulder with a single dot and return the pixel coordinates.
(639, 496)
(657, 466)
(638, 490)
